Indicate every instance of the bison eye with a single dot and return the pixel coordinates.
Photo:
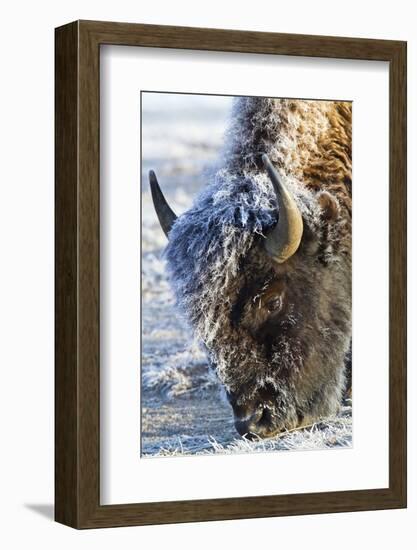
(274, 304)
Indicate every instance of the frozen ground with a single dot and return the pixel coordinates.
(182, 408)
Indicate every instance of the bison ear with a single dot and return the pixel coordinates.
(329, 206)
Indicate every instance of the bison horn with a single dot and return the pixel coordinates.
(165, 215)
(284, 240)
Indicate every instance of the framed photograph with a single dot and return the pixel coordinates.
(230, 274)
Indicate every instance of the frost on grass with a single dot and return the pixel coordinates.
(328, 433)
(185, 374)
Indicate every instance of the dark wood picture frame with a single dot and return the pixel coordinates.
(77, 374)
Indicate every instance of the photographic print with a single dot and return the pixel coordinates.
(246, 260)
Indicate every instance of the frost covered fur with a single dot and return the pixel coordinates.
(277, 334)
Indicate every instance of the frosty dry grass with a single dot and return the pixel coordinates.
(325, 434)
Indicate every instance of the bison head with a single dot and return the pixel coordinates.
(263, 274)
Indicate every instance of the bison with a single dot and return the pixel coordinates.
(261, 263)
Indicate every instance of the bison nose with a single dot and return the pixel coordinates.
(256, 423)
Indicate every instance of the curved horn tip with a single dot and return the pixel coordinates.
(272, 171)
(153, 180)
(265, 160)
(165, 214)
(268, 164)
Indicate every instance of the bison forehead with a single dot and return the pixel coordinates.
(207, 243)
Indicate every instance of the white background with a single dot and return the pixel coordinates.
(26, 218)
(126, 478)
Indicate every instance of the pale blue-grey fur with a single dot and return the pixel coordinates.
(206, 242)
